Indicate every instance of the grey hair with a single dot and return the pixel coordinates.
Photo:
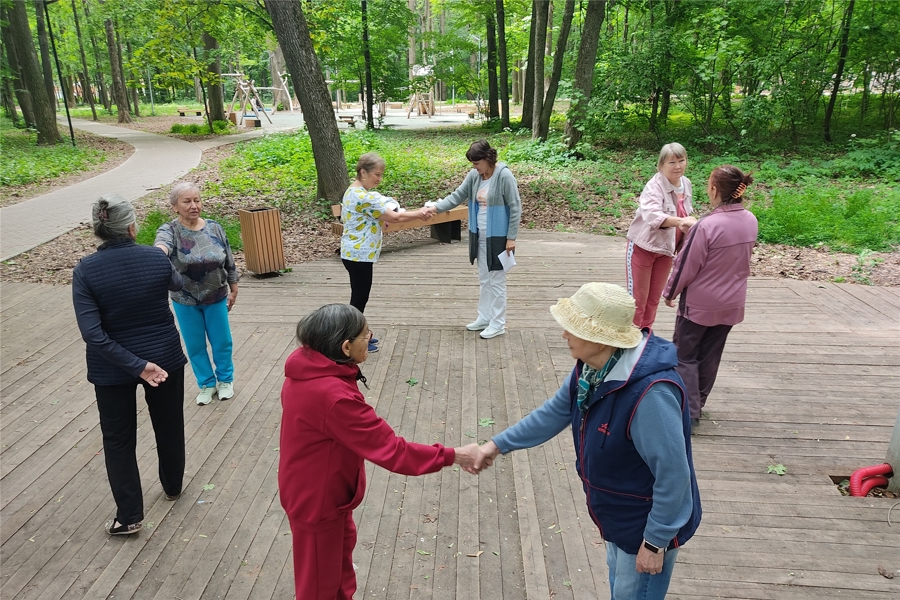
(179, 188)
(368, 162)
(674, 149)
(111, 216)
(326, 329)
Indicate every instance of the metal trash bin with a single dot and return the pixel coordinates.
(263, 245)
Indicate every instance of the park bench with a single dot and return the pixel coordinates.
(445, 227)
(350, 120)
(183, 110)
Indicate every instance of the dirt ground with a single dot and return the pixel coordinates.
(306, 238)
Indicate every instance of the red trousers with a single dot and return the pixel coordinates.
(647, 273)
(323, 561)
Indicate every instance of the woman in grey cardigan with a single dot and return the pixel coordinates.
(494, 212)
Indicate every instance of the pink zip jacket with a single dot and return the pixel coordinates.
(712, 269)
(656, 203)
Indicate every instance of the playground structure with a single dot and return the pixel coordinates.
(246, 93)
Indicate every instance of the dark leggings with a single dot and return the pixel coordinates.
(360, 282)
(699, 353)
(118, 423)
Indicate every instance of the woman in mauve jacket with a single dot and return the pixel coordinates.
(710, 275)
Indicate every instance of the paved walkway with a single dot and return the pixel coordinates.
(157, 161)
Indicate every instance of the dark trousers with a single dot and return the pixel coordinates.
(360, 282)
(118, 423)
(699, 353)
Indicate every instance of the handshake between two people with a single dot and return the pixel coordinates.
(474, 458)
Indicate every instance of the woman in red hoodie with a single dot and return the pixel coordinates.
(327, 431)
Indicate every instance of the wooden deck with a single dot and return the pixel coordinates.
(809, 381)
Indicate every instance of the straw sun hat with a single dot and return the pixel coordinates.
(601, 313)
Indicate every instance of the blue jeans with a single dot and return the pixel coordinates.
(625, 583)
(197, 323)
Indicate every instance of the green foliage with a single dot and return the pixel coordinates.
(778, 469)
(155, 218)
(219, 127)
(24, 162)
(820, 214)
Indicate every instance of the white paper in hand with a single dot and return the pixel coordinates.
(507, 260)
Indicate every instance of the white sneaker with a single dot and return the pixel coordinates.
(477, 325)
(225, 390)
(205, 395)
(492, 332)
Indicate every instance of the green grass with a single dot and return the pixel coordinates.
(844, 198)
(25, 162)
(155, 218)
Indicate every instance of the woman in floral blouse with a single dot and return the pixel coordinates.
(362, 212)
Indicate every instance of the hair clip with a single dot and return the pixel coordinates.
(739, 191)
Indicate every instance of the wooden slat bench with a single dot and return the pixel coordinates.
(445, 227)
(182, 111)
(350, 120)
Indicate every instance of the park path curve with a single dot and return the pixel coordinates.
(157, 161)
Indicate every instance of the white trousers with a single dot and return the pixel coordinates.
(492, 290)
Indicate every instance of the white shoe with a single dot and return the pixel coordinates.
(205, 395)
(477, 325)
(492, 332)
(225, 390)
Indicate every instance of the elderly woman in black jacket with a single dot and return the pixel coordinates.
(122, 308)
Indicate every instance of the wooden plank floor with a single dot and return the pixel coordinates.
(809, 380)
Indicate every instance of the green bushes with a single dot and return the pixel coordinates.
(152, 221)
(219, 127)
(25, 162)
(821, 215)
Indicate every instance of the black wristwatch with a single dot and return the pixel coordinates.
(654, 549)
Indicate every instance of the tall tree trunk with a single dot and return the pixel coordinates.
(555, 75)
(135, 76)
(119, 92)
(367, 60)
(122, 67)
(98, 73)
(540, 39)
(504, 65)
(493, 109)
(19, 89)
(198, 90)
(44, 43)
(85, 73)
(528, 91)
(30, 70)
(69, 82)
(9, 101)
(411, 54)
(306, 75)
(516, 91)
(842, 60)
(584, 68)
(214, 89)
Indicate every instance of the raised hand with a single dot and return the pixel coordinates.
(154, 374)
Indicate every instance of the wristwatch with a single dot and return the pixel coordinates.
(654, 549)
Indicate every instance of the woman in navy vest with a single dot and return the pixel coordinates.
(122, 308)
(627, 409)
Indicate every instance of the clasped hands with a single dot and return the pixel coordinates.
(474, 458)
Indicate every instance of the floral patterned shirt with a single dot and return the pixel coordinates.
(360, 210)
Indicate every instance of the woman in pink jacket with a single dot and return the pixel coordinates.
(328, 430)
(655, 234)
(710, 275)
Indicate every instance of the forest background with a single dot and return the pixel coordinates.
(578, 96)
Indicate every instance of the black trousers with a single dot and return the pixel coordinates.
(699, 353)
(360, 282)
(118, 423)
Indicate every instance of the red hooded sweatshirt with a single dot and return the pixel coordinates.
(327, 430)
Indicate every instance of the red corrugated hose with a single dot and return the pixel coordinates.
(864, 479)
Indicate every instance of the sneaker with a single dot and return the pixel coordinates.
(477, 325)
(174, 497)
(695, 425)
(115, 528)
(205, 395)
(373, 347)
(374, 340)
(492, 332)
(225, 390)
